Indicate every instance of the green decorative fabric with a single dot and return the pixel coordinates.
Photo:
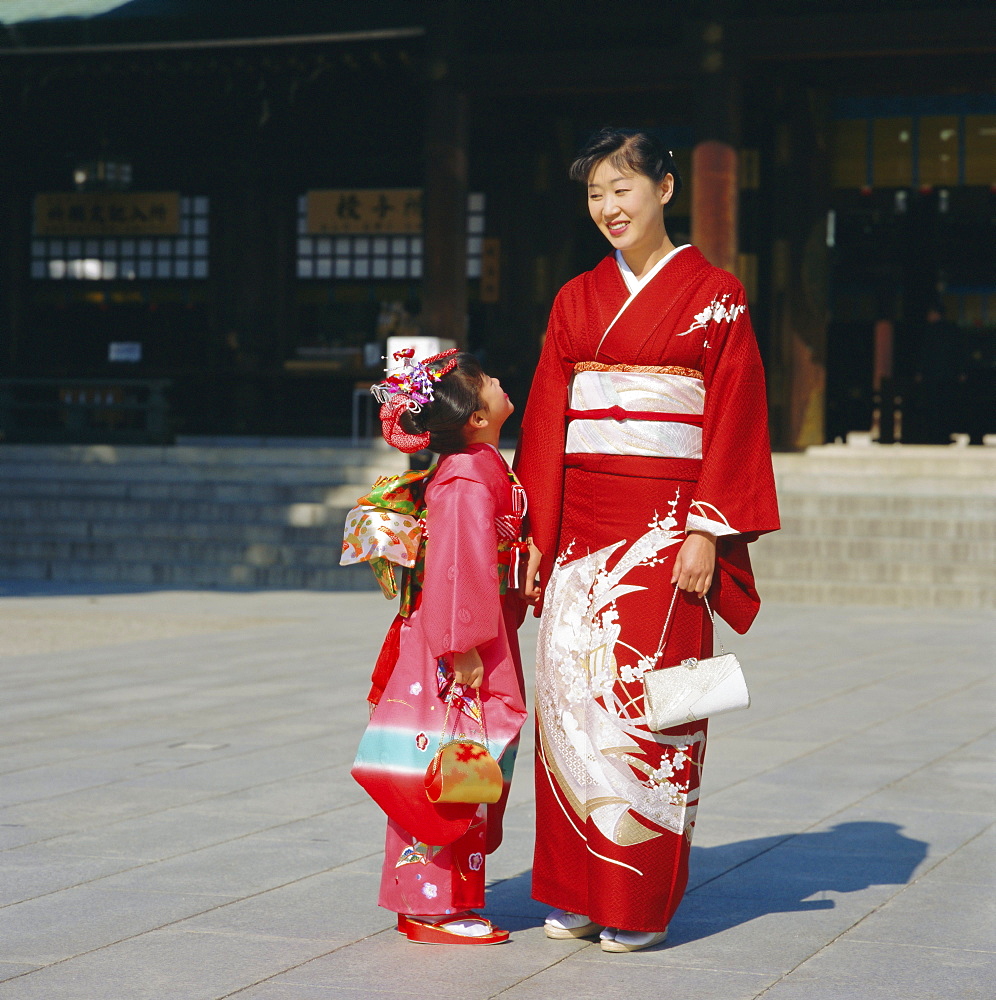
(404, 494)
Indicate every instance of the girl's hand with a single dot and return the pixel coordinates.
(695, 563)
(468, 668)
(532, 586)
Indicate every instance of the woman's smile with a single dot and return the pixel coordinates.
(627, 208)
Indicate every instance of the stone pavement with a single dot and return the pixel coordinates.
(177, 818)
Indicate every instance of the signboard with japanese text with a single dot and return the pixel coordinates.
(394, 210)
(107, 213)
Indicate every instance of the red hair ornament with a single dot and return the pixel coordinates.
(411, 388)
(394, 434)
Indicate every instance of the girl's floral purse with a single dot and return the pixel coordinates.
(385, 529)
(462, 769)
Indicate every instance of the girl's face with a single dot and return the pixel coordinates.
(628, 207)
(494, 401)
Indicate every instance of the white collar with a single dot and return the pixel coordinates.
(633, 283)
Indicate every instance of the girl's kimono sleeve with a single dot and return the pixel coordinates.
(461, 607)
(539, 460)
(735, 495)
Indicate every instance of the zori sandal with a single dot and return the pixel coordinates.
(441, 933)
(563, 925)
(622, 942)
(405, 919)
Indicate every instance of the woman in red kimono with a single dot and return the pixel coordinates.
(457, 653)
(644, 450)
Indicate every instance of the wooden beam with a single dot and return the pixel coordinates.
(877, 33)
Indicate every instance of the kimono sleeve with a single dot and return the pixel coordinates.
(539, 460)
(461, 607)
(735, 494)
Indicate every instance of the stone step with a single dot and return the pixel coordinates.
(888, 507)
(33, 512)
(126, 528)
(959, 527)
(111, 457)
(769, 565)
(259, 491)
(875, 594)
(194, 575)
(902, 527)
(147, 550)
(891, 460)
(826, 548)
(848, 484)
(30, 476)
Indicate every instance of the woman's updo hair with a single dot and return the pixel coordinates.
(637, 151)
(455, 397)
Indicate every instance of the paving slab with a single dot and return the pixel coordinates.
(177, 818)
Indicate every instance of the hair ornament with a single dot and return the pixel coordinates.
(411, 388)
(394, 434)
(414, 382)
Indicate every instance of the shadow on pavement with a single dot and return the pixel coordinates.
(734, 883)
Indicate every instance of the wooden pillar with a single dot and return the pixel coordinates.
(715, 197)
(444, 218)
(798, 189)
(715, 186)
(15, 215)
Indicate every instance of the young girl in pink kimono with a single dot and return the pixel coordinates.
(459, 642)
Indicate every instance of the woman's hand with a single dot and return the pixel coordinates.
(695, 563)
(532, 586)
(468, 668)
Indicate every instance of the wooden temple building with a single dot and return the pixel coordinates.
(214, 213)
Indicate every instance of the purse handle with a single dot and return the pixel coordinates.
(446, 718)
(667, 622)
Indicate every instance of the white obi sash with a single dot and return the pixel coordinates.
(622, 410)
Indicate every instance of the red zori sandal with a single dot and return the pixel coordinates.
(440, 932)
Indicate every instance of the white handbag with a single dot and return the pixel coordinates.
(693, 689)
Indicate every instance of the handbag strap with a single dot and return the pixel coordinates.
(450, 698)
(667, 622)
(715, 631)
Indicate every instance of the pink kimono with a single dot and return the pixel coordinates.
(434, 856)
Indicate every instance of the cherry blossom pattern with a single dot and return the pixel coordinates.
(671, 778)
(720, 310)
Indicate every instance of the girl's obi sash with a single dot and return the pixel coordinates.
(630, 410)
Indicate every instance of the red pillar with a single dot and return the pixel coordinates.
(715, 195)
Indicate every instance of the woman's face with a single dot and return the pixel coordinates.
(628, 207)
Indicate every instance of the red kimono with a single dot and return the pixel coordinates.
(434, 856)
(646, 418)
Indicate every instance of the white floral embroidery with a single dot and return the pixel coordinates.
(588, 727)
(429, 891)
(661, 780)
(718, 311)
(416, 688)
(475, 861)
